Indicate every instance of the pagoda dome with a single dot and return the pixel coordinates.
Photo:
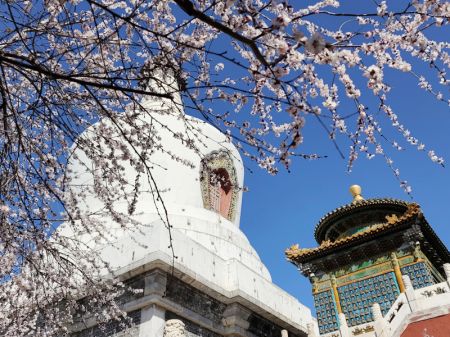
(184, 174)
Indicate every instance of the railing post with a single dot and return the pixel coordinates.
(409, 292)
(343, 327)
(379, 322)
(447, 272)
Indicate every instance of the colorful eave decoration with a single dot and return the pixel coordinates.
(295, 254)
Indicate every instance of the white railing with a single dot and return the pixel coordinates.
(397, 313)
(365, 329)
(430, 291)
(332, 334)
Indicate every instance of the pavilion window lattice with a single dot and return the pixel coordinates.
(419, 275)
(326, 311)
(357, 298)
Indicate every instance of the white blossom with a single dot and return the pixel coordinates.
(381, 9)
(315, 43)
(219, 67)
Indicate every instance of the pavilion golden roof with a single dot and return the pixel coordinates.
(345, 210)
(297, 254)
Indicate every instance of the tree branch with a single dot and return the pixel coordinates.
(189, 9)
(6, 58)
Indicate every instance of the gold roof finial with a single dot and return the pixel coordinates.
(355, 190)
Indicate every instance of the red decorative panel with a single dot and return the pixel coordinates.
(434, 327)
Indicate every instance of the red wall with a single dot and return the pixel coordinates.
(434, 327)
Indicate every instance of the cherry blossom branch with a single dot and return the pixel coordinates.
(188, 7)
(8, 58)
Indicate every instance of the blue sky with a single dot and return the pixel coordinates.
(281, 210)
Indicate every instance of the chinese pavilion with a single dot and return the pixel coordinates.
(365, 248)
